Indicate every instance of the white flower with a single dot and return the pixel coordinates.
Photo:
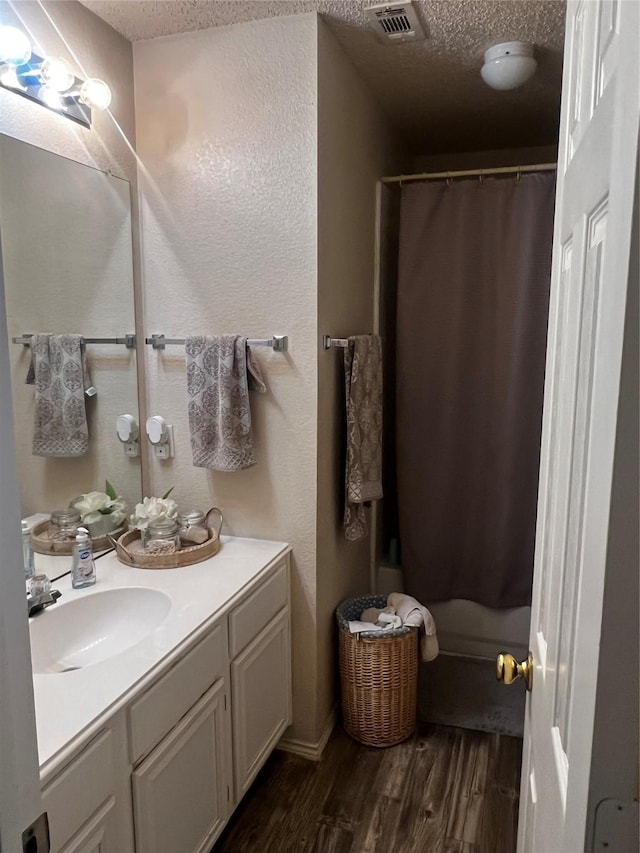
(117, 515)
(151, 509)
(94, 505)
(92, 502)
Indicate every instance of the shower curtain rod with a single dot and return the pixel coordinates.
(501, 170)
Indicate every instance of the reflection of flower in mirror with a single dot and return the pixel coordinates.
(151, 509)
(94, 505)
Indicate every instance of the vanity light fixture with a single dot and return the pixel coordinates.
(508, 65)
(48, 80)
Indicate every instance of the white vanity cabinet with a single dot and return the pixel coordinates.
(260, 676)
(88, 802)
(181, 791)
(180, 746)
(165, 772)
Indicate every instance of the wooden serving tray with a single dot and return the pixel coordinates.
(64, 547)
(130, 551)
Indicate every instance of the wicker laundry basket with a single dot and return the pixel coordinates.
(378, 677)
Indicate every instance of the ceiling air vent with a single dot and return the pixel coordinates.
(395, 23)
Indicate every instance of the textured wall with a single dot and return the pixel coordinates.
(227, 137)
(70, 31)
(355, 148)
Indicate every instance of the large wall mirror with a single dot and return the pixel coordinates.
(66, 252)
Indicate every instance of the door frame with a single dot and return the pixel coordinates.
(20, 799)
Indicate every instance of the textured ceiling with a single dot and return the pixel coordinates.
(432, 90)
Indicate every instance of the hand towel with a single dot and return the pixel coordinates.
(356, 626)
(389, 620)
(415, 614)
(363, 470)
(220, 372)
(61, 378)
(383, 617)
(89, 388)
(372, 614)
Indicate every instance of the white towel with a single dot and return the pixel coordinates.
(389, 620)
(382, 617)
(356, 626)
(372, 614)
(416, 615)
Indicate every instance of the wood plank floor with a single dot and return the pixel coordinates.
(445, 790)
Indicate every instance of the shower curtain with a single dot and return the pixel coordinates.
(473, 294)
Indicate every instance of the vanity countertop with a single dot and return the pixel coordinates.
(71, 706)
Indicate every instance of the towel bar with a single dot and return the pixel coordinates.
(279, 343)
(128, 341)
(328, 342)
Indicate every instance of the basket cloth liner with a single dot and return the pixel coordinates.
(352, 608)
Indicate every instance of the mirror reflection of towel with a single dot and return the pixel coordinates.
(60, 375)
(220, 372)
(363, 389)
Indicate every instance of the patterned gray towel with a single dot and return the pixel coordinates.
(363, 474)
(220, 372)
(60, 375)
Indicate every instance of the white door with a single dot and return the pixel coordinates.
(19, 774)
(591, 252)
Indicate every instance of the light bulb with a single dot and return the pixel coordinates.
(95, 94)
(15, 48)
(51, 98)
(9, 78)
(56, 74)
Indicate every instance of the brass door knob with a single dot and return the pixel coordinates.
(509, 670)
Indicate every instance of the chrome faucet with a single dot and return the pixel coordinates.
(38, 601)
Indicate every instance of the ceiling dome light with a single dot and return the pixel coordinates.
(15, 48)
(508, 65)
(95, 94)
(56, 74)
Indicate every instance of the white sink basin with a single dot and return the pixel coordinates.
(93, 628)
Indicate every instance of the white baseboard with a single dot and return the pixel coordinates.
(303, 748)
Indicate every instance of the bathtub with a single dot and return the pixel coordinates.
(467, 628)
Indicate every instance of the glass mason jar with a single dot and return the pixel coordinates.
(162, 536)
(191, 518)
(64, 524)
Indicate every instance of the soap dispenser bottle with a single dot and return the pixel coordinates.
(84, 569)
(27, 552)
